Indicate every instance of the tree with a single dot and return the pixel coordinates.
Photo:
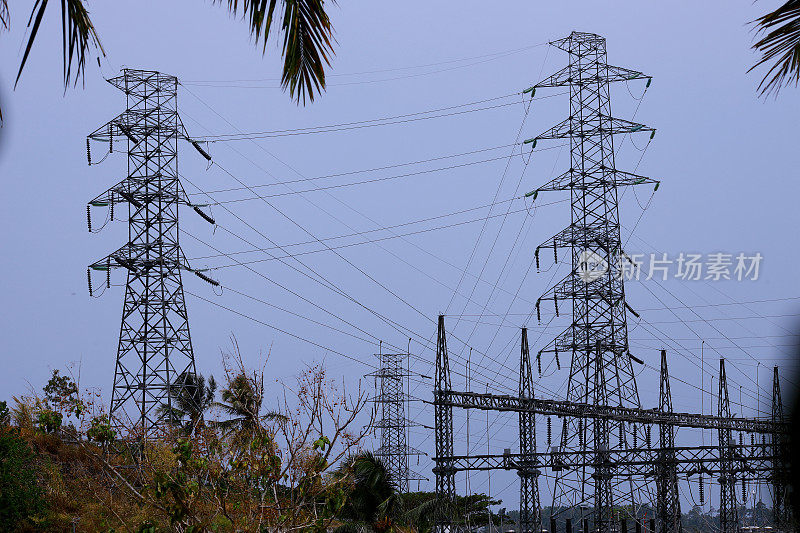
(373, 503)
(304, 24)
(189, 402)
(779, 45)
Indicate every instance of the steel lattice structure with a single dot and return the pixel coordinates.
(598, 466)
(601, 369)
(393, 424)
(154, 354)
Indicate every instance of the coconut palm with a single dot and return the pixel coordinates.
(304, 24)
(242, 400)
(189, 402)
(373, 503)
(779, 46)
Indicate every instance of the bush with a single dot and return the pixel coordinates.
(20, 494)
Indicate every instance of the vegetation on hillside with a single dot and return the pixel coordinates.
(225, 461)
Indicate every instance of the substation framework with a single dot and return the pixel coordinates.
(598, 464)
(155, 359)
(391, 400)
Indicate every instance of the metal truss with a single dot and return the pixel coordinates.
(601, 373)
(391, 396)
(154, 354)
(598, 466)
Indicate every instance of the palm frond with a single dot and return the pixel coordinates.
(307, 40)
(77, 39)
(307, 47)
(779, 46)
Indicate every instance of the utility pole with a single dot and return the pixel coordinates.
(394, 450)
(597, 338)
(154, 354)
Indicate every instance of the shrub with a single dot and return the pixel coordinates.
(21, 496)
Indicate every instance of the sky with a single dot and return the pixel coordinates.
(726, 160)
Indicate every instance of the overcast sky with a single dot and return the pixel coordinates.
(727, 161)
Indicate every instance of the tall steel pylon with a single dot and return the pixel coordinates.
(154, 354)
(601, 371)
(728, 507)
(391, 381)
(530, 517)
(443, 420)
(668, 503)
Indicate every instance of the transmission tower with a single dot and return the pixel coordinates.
(601, 371)
(391, 396)
(154, 354)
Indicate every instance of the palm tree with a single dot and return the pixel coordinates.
(304, 24)
(189, 402)
(779, 46)
(373, 503)
(242, 400)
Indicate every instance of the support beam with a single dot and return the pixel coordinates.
(443, 417)
(668, 505)
(527, 469)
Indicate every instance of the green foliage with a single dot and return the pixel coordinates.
(48, 420)
(61, 393)
(5, 415)
(100, 430)
(21, 498)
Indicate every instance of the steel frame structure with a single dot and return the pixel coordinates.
(154, 353)
(598, 465)
(601, 369)
(393, 424)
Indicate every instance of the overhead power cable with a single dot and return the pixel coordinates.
(369, 123)
(483, 58)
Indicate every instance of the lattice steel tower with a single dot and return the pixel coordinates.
(391, 399)
(601, 370)
(154, 353)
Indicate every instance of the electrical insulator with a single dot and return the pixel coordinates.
(752, 439)
(112, 206)
(647, 435)
(108, 277)
(555, 252)
(539, 362)
(741, 439)
(89, 278)
(89, 217)
(744, 490)
(536, 255)
(580, 433)
(110, 140)
(549, 431)
(555, 302)
(635, 436)
(702, 494)
(558, 363)
(88, 152)
(538, 312)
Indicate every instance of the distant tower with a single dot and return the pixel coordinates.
(601, 371)
(154, 354)
(391, 399)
